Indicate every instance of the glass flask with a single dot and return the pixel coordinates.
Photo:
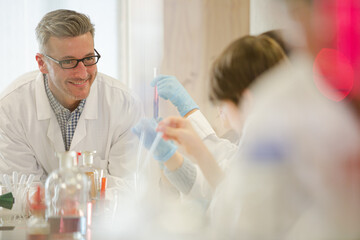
(66, 194)
(37, 228)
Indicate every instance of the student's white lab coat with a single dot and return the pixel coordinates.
(30, 134)
(222, 149)
(298, 166)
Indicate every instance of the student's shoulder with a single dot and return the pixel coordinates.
(19, 83)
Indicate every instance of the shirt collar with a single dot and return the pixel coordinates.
(56, 106)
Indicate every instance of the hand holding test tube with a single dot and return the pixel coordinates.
(163, 149)
(169, 88)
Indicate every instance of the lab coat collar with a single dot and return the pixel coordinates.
(90, 112)
(44, 110)
(91, 106)
(43, 107)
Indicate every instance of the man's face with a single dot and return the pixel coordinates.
(69, 86)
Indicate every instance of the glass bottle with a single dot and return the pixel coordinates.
(37, 228)
(66, 194)
(91, 171)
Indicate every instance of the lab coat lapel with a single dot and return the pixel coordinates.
(44, 112)
(90, 112)
(55, 136)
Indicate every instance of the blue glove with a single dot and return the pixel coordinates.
(169, 87)
(164, 150)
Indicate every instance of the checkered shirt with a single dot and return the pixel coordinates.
(66, 119)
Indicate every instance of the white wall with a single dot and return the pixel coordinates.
(267, 15)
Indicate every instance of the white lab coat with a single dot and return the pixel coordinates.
(296, 168)
(30, 134)
(222, 149)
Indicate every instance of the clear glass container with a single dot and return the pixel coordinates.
(37, 228)
(66, 194)
(91, 171)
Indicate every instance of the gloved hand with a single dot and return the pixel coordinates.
(164, 150)
(169, 87)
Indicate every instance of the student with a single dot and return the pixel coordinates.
(67, 104)
(232, 74)
(297, 175)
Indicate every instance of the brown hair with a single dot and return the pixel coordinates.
(240, 64)
(62, 23)
(277, 35)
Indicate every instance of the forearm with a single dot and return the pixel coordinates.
(174, 162)
(183, 178)
(209, 167)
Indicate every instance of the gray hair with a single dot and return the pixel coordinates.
(62, 23)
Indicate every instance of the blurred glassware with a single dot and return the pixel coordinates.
(18, 190)
(66, 194)
(91, 171)
(37, 227)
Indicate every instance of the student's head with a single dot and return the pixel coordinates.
(277, 35)
(237, 68)
(65, 35)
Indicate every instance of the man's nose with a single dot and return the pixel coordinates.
(81, 70)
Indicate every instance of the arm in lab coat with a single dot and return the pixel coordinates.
(122, 155)
(222, 149)
(189, 174)
(15, 152)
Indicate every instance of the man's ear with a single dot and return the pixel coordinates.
(41, 63)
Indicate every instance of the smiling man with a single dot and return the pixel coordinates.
(67, 105)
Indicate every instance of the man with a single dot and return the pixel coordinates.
(68, 105)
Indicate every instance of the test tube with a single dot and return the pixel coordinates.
(2, 179)
(28, 184)
(30, 180)
(21, 184)
(7, 182)
(156, 98)
(15, 177)
(103, 187)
